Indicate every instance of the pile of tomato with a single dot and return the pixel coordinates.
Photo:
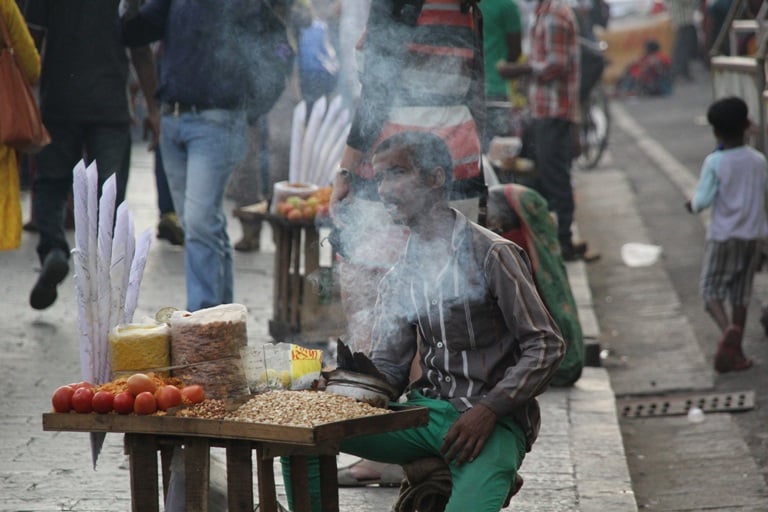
(140, 394)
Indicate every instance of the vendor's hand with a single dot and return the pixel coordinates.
(466, 438)
(340, 191)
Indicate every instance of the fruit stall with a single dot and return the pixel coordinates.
(306, 295)
(296, 425)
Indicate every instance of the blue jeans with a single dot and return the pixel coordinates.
(109, 144)
(200, 151)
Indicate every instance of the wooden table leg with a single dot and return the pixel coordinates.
(299, 479)
(142, 454)
(197, 466)
(239, 476)
(265, 472)
(329, 483)
(166, 456)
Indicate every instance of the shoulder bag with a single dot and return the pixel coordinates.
(21, 126)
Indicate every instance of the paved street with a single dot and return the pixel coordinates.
(660, 339)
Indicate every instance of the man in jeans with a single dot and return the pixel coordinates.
(85, 108)
(554, 69)
(208, 70)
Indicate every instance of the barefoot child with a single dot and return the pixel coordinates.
(733, 182)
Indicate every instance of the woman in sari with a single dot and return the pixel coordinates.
(521, 214)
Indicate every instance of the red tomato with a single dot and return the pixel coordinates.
(193, 394)
(144, 403)
(167, 397)
(81, 384)
(102, 401)
(82, 398)
(139, 382)
(123, 403)
(62, 398)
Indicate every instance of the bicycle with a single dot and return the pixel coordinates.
(595, 109)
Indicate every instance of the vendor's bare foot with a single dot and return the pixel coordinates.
(366, 472)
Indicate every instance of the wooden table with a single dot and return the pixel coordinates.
(306, 296)
(147, 435)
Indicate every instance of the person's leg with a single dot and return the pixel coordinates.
(713, 283)
(727, 272)
(245, 187)
(164, 199)
(483, 485)
(216, 143)
(169, 227)
(51, 186)
(747, 253)
(110, 146)
(716, 310)
(680, 54)
(480, 486)
(553, 163)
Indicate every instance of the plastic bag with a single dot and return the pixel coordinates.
(282, 366)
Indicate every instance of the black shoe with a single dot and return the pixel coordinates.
(579, 247)
(570, 254)
(578, 251)
(55, 269)
(764, 320)
(169, 228)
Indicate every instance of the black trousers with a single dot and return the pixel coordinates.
(552, 150)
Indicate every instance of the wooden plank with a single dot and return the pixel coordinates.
(282, 268)
(295, 284)
(311, 251)
(329, 483)
(166, 456)
(142, 452)
(299, 479)
(197, 473)
(399, 418)
(239, 476)
(265, 472)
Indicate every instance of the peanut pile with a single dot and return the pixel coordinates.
(301, 408)
(210, 409)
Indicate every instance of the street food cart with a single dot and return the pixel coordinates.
(145, 436)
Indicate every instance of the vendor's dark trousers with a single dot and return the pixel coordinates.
(553, 163)
(107, 143)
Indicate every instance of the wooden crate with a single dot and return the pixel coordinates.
(306, 295)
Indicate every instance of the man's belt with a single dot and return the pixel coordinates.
(175, 108)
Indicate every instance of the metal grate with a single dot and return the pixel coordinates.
(672, 405)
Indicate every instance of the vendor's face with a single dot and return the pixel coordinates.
(401, 186)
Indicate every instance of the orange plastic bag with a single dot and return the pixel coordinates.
(10, 201)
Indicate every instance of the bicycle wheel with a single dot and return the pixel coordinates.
(594, 129)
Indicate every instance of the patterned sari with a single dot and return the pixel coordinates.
(538, 236)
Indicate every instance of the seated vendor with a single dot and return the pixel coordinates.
(488, 346)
